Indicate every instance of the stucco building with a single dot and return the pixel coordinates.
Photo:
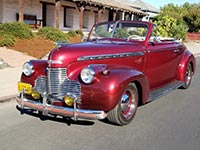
(67, 14)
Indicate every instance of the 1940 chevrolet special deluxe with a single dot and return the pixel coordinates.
(121, 65)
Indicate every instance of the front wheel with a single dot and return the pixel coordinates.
(188, 77)
(125, 110)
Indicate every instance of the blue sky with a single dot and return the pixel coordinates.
(160, 3)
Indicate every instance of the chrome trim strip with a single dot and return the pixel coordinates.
(63, 111)
(161, 50)
(107, 56)
(57, 62)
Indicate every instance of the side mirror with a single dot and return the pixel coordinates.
(156, 39)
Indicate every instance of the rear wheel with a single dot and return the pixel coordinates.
(125, 110)
(188, 77)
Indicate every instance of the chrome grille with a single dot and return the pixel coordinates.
(41, 85)
(59, 85)
(55, 79)
(71, 87)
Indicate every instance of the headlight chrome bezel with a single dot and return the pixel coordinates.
(28, 68)
(88, 75)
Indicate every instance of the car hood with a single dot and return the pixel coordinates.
(62, 56)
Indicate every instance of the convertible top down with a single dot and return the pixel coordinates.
(122, 64)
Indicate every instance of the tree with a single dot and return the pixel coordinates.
(170, 27)
(192, 17)
(176, 21)
(172, 11)
(187, 14)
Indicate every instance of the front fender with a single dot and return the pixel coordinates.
(39, 67)
(106, 91)
(188, 58)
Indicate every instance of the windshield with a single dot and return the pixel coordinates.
(120, 30)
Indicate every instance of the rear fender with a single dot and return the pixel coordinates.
(188, 58)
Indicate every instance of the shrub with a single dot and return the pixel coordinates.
(101, 32)
(17, 29)
(7, 40)
(170, 27)
(180, 30)
(52, 33)
(79, 32)
(121, 33)
(71, 33)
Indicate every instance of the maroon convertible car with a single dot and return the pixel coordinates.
(122, 64)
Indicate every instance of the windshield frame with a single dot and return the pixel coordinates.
(115, 25)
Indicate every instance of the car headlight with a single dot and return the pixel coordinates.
(87, 75)
(28, 68)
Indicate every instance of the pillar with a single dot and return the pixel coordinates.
(81, 17)
(21, 10)
(123, 15)
(57, 13)
(100, 10)
(114, 16)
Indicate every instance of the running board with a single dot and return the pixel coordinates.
(156, 94)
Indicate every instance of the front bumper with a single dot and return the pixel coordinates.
(58, 110)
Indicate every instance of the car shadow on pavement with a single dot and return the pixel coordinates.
(55, 118)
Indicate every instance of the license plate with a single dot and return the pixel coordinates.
(24, 86)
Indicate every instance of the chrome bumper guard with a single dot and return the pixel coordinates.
(58, 110)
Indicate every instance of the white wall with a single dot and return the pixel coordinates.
(90, 21)
(150, 15)
(9, 9)
(76, 15)
(91, 17)
(31, 7)
(1, 11)
(105, 15)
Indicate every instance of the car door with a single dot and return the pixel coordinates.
(162, 63)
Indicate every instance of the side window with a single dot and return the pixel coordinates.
(68, 17)
(86, 16)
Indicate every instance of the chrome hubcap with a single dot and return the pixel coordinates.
(128, 104)
(188, 75)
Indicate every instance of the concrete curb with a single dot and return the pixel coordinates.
(197, 55)
(7, 98)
